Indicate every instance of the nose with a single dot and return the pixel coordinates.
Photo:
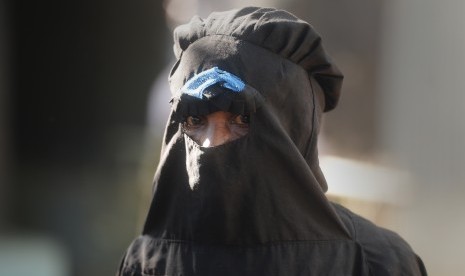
(217, 134)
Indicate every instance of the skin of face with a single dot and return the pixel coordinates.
(216, 128)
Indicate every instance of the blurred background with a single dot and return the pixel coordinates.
(84, 98)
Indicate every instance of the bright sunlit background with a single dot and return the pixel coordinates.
(84, 100)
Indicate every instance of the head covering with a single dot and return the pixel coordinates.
(257, 201)
(256, 205)
(277, 31)
(275, 53)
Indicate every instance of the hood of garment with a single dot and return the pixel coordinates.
(266, 186)
(255, 205)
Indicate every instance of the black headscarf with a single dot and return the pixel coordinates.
(256, 205)
(255, 189)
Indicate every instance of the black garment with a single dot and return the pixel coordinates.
(256, 206)
(370, 251)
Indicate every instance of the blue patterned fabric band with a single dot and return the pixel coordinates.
(197, 84)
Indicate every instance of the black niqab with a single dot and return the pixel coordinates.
(256, 205)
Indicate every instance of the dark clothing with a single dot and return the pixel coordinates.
(256, 205)
(370, 251)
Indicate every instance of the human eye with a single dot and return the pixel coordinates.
(193, 122)
(241, 120)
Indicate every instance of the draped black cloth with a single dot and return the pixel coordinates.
(256, 205)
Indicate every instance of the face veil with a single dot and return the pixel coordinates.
(255, 205)
(258, 199)
(253, 190)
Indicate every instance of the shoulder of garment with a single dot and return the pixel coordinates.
(384, 251)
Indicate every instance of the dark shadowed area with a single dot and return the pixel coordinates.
(79, 74)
